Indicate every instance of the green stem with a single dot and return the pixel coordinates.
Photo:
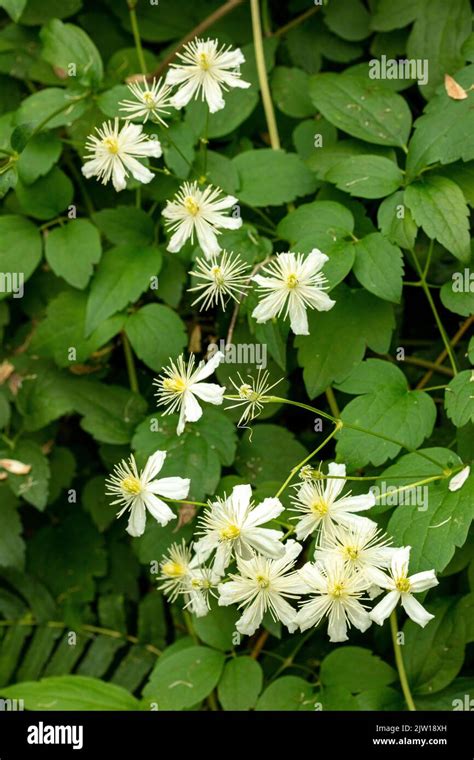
(204, 143)
(306, 459)
(432, 304)
(189, 626)
(349, 426)
(132, 4)
(399, 663)
(132, 373)
(262, 75)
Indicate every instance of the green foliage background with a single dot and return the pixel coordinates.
(67, 566)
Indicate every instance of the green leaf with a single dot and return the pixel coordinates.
(324, 221)
(438, 206)
(156, 334)
(184, 679)
(433, 656)
(36, 12)
(125, 225)
(38, 157)
(287, 693)
(355, 669)
(20, 245)
(56, 555)
(178, 148)
(348, 19)
(72, 250)
(378, 266)
(123, 274)
(362, 318)
(457, 296)
(437, 36)
(62, 331)
(388, 16)
(362, 108)
(396, 222)
(34, 486)
(459, 695)
(383, 405)
(445, 132)
(47, 197)
(290, 92)
(217, 628)
(71, 693)
(442, 518)
(240, 684)
(12, 546)
(271, 177)
(14, 8)
(258, 460)
(66, 44)
(460, 398)
(366, 176)
(66, 104)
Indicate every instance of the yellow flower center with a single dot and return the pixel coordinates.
(216, 272)
(262, 581)
(111, 143)
(191, 205)
(291, 281)
(200, 583)
(403, 585)
(149, 99)
(352, 553)
(131, 485)
(230, 533)
(174, 384)
(203, 61)
(319, 507)
(337, 590)
(173, 569)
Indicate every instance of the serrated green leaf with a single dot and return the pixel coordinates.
(460, 398)
(240, 684)
(72, 250)
(156, 334)
(271, 177)
(378, 266)
(366, 176)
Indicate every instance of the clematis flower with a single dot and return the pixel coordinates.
(336, 590)
(149, 102)
(206, 70)
(219, 280)
(199, 211)
(264, 584)
(293, 283)
(113, 154)
(319, 503)
(232, 527)
(139, 491)
(182, 575)
(401, 587)
(181, 385)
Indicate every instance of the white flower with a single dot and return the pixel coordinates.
(362, 547)
(220, 279)
(113, 154)
(264, 584)
(149, 101)
(180, 386)
(458, 480)
(199, 211)
(181, 574)
(207, 70)
(318, 501)
(138, 491)
(294, 283)
(338, 589)
(252, 395)
(401, 586)
(231, 526)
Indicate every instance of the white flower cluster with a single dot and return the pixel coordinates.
(291, 282)
(353, 562)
